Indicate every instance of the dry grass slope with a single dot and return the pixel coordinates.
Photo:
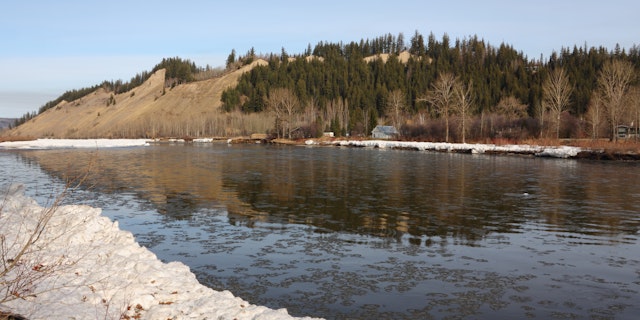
(148, 111)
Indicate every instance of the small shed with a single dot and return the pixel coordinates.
(626, 132)
(384, 132)
(328, 134)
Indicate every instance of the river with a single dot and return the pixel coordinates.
(359, 233)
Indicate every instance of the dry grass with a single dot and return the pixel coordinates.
(603, 146)
(149, 110)
(620, 146)
(16, 138)
(211, 124)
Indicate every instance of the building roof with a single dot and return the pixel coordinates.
(388, 130)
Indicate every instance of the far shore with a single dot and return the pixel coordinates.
(592, 149)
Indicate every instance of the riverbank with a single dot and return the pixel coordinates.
(559, 151)
(540, 151)
(73, 143)
(581, 150)
(82, 266)
(592, 150)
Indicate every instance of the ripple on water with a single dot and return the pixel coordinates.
(361, 234)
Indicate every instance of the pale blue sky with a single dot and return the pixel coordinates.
(49, 47)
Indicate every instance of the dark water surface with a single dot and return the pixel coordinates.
(349, 233)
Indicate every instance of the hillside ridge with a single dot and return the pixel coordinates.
(149, 110)
(143, 111)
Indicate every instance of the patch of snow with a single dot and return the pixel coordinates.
(559, 152)
(99, 271)
(74, 143)
(476, 148)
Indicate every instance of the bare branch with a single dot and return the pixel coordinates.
(396, 107)
(511, 108)
(556, 91)
(464, 101)
(613, 83)
(441, 97)
(284, 105)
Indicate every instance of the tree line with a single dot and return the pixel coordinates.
(494, 91)
(429, 88)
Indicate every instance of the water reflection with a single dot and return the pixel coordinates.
(378, 234)
(382, 193)
(396, 193)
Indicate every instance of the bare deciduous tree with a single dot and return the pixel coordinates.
(463, 105)
(441, 97)
(284, 105)
(311, 110)
(556, 94)
(540, 112)
(613, 84)
(23, 262)
(396, 107)
(337, 113)
(20, 268)
(594, 114)
(511, 108)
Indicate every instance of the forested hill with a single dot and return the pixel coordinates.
(342, 72)
(350, 87)
(498, 77)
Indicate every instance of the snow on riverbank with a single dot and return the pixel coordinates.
(73, 143)
(542, 151)
(87, 268)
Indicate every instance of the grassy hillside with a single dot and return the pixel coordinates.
(148, 111)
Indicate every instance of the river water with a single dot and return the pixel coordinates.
(355, 233)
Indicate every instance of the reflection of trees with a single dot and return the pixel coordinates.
(392, 193)
(178, 205)
(369, 196)
(177, 180)
(382, 193)
(592, 199)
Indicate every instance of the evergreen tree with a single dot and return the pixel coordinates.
(231, 59)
